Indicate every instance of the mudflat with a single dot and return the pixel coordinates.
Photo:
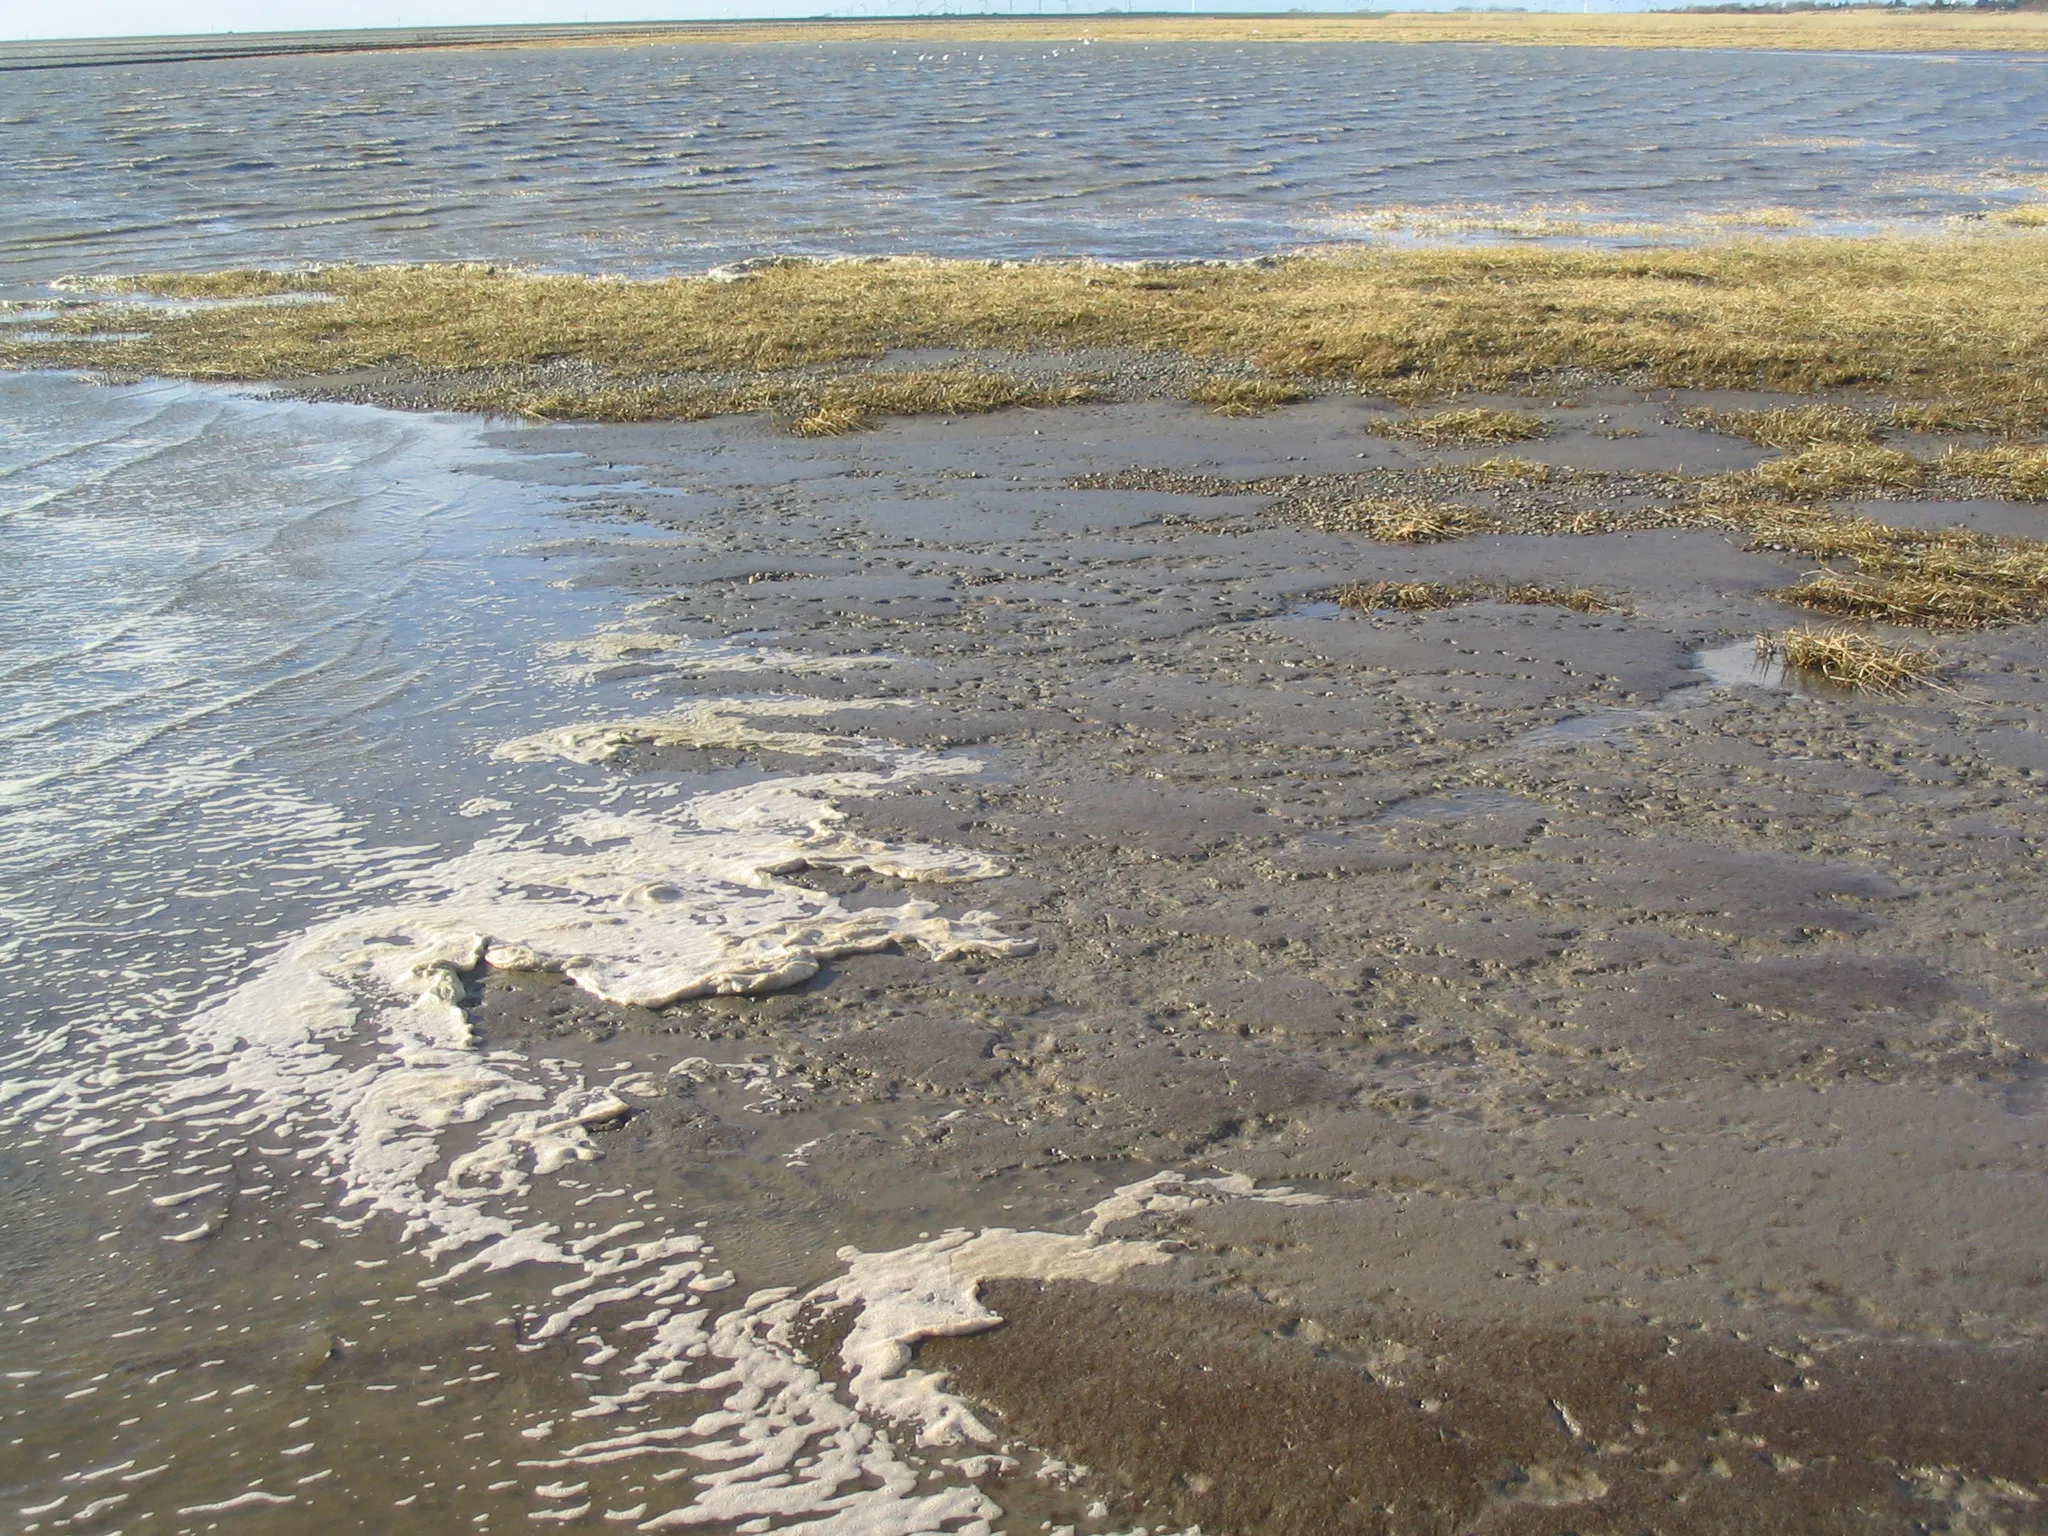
(1657, 1032)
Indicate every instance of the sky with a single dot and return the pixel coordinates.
(22, 19)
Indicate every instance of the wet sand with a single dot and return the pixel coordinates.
(1666, 1043)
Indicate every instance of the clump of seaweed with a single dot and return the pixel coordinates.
(1402, 519)
(1422, 596)
(1846, 659)
(1245, 397)
(1838, 468)
(1791, 426)
(1464, 427)
(2019, 470)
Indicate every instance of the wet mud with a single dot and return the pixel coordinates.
(1665, 1041)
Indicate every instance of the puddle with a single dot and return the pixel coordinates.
(1601, 725)
(1738, 665)
(1459, 805)
(1324, 609)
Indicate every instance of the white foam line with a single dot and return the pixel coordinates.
(356, 1040)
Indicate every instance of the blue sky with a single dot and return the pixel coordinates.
(133, 18)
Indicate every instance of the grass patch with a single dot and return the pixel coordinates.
(1958, 323)
(1947, 579)
(1401, 519)
(1839, 468)
(2031, 216)
(1245, 397)
(808, 408)
(1791, 426)
(1462, 428)
(2018, 470)
(1422, 596)
(1847, 659)
(1507, 469)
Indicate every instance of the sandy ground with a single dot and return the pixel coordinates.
(1669, 1047)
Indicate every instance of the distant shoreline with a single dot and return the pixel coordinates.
(1867, 31)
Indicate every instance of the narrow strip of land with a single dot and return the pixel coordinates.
(1858, 30)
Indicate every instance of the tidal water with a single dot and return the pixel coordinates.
(676, 156)
(284, 714)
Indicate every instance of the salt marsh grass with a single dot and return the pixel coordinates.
(1423, 596)
(1930, 579)
(1792, 426)
(1462, 428)
(1402, 519)
(1960, 324)
(1841, 468)
(1847, 659)
(1245, 397)
(2019, 470)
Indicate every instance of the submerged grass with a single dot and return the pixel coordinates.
(1960, 324)
(1847, 659)
(1422, 596)
(1461, 428)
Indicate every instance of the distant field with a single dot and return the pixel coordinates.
(1872, 31)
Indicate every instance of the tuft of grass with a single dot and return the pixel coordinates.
(1791, 426)
(1462, 428)
(1838, 468)
(1422, 596)
(1245, 397)
(1402, 596)
(2019, 470)
(1924, 602)
(1847, 659)
(1577, 599)
(1508, 469)
(1402, 520)
(2030, 216)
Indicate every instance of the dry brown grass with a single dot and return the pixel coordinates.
(1421, 596)
(1402, 519)
(1245, 397)
(1506, 469)
(1846, 659)
(1791, 426)
(2032, 216)
(1945, 579)
(2018, 470)
(1838, 469)
(1959, 323)
(1462, 428)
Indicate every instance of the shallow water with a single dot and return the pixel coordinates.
(678, 156)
